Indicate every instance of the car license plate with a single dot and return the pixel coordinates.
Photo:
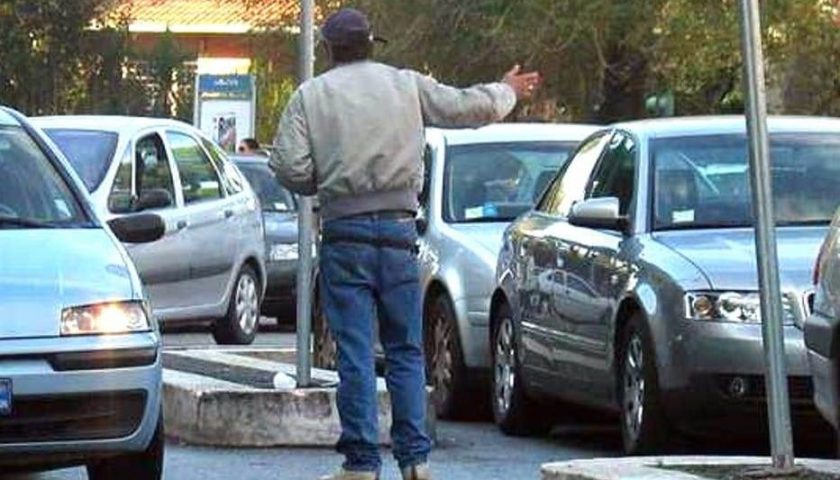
(5, 397)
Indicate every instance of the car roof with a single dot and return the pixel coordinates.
(516, 132)
(249, 159)
(7, 117)
(123, 125)
(724, 124)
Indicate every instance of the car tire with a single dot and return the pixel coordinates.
(145, 465)
(445, 369)
(239, 326)
(513, 411)
(325, 350)
(644, 428)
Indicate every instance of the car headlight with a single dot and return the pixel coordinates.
(283, 251)
(736, 307)
(105, 318)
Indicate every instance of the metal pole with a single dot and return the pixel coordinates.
(306, 217)
(781, 442)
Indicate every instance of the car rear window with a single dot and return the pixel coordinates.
(89, 151)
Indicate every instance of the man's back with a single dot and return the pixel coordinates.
(361, 127)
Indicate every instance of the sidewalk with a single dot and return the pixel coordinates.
(669, 468)
(248, 398)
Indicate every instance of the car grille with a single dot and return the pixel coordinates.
(73, 417)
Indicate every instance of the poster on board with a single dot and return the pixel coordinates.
(226, 108)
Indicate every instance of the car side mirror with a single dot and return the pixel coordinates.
(599, 213)
(139, 228)
(154, 198)
(422, 225)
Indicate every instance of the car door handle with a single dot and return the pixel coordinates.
(228, 213)
(182, 224)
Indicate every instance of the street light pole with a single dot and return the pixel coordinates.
(306, 217)
(778, 403)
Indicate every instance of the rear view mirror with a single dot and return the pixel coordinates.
(598, 213)
(140, 228)
(153, 199)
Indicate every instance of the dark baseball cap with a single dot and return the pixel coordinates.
(347, 27)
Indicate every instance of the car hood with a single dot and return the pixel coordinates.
(727, 257)
(281, 227)
(485, 236)
(44, 271)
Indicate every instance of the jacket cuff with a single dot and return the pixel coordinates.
(506, 100)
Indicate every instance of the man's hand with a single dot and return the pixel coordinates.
(523, 84)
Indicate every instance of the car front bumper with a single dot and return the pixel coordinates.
(79, 398)
(713, 377)
(281, 291)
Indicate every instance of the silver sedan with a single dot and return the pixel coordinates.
(632, 286)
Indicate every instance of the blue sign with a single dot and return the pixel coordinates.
(234, 87)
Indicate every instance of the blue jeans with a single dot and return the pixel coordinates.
(367, 273)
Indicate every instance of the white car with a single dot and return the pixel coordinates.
(210, 264)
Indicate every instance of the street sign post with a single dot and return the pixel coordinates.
(781, 441)
(306, 217)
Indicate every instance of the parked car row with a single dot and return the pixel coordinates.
(615, 268)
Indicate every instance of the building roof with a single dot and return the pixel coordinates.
(208, 16)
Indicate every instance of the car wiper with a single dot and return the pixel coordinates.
(24, 223)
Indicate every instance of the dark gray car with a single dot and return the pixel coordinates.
(279, 210)
(632, 286)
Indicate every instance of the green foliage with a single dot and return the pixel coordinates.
(273, 66)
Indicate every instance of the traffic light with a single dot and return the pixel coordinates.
(660, 104)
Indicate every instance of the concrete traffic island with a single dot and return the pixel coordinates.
(247, 398)
(674, 468)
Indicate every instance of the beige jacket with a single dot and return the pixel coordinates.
(354, 135)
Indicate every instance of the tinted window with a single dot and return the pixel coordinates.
(153, 172)
(90, 152)
(121, 198)
(616, 173)
(497, 182)
(32, 192)
(570, 185)
(272, 196)
(702, 181)
(230, 177)
(199, 180)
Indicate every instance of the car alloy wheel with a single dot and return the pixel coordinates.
(445, 368)
(633, 409)
(247, 304)
(504, 367)
(441, 357)
(239, 326)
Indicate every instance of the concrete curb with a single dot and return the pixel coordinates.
(202, 410)
(635, 468)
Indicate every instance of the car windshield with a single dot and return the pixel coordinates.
(273, 197)
(89, 151)
(32, 192)
(702, 181)
(498, 181)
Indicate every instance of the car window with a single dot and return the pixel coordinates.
(616, 173)
(121, 198)
(89, 151)
(570, 184)
(199, 180)
(498, 181)
(273, 197)
(153, 174)
(231, 180)
(702, 181)
(32, 192)
(427, 176)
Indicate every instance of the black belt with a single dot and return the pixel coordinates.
(376, 242)
(386, 215)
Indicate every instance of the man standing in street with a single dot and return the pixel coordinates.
(354, 137)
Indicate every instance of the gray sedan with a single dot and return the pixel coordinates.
(279, 211)
(632, 286)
